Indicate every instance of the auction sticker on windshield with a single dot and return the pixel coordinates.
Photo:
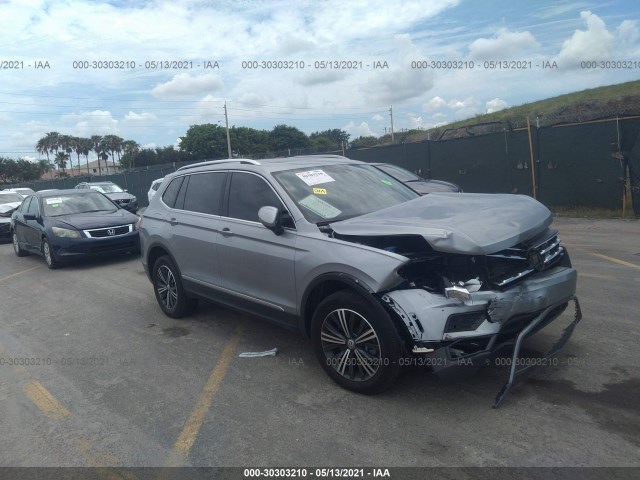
(314, 177)
(53, 201)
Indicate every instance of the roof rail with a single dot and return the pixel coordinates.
(217, 162)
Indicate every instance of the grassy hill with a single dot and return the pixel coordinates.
(591, 104)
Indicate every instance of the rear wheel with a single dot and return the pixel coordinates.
(16, 246)
(356, 343)
(49, 257)
(170, 294)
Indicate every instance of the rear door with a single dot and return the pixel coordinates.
(195, 223)
(256, 264)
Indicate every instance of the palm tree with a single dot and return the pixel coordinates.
(43, 147)
(130, 148)
(113, 144)
(84, 147)
(65, 143)
(96, 146)
(61, 161)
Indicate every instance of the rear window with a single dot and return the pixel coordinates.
(171, 193)
(204, 193)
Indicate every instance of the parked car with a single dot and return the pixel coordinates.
(373, 273)
(21, 190)
(69, 224)
(121, 197)
(9, 201)
(416, 182)
(154, 188)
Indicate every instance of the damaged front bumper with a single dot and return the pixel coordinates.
(459, 335)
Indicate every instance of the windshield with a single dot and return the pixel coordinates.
(106, 188)
(336, 192)
(399, 173)
(76, 203)
(10, 197)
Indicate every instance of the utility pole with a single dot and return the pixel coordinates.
(391, 113)
(226, 121)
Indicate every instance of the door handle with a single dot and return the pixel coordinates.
(227, 232)
(173, 221)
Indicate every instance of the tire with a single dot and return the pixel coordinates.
(16, 246)
(356, 343)
(168, 289)
(49, 257)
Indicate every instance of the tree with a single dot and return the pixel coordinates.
(61, 161)
(205, 141)
(98, 146)
(369, 141)
(113, 144)
(50, 143)
(129, 147)
(284, 137)
(337, 136)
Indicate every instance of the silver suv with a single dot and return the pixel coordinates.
(373, 273)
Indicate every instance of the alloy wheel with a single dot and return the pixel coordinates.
(166, 287)
(350, 344)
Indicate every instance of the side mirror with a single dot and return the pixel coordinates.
(29, 216)
(270, 218)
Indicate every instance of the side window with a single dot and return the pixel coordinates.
(247, 194)
(155, 186)
(33, 206)
(171, 193)
(204, 193)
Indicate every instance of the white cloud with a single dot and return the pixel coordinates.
(398, 83)
(139, 117)
(415, 121)
(361, 130)
(434, 104)
(503, 45)
(377, 117)
(322, 77)
(184, 85)
(461, 104)
(251, 99)
(628, 34)
(85, 124)
(495, 105)
(594, 43)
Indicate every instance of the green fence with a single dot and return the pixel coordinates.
(573, 165)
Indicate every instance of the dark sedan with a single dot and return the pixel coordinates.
(416, 183)
(66, 224)
(120, 197)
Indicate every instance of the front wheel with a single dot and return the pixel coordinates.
(170, 294)
(16, 246)
(49, 257)
(355, 343)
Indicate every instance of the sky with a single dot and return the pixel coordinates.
(147, 70)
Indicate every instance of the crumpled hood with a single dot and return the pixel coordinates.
(7, 207)
(468, 223)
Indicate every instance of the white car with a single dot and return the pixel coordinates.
(24, 191)
(154, 188)
(9, 201)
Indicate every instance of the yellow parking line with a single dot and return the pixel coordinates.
(615, 260)
(46, 402)
(192, 427)
(19, 273)
(597, 275)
